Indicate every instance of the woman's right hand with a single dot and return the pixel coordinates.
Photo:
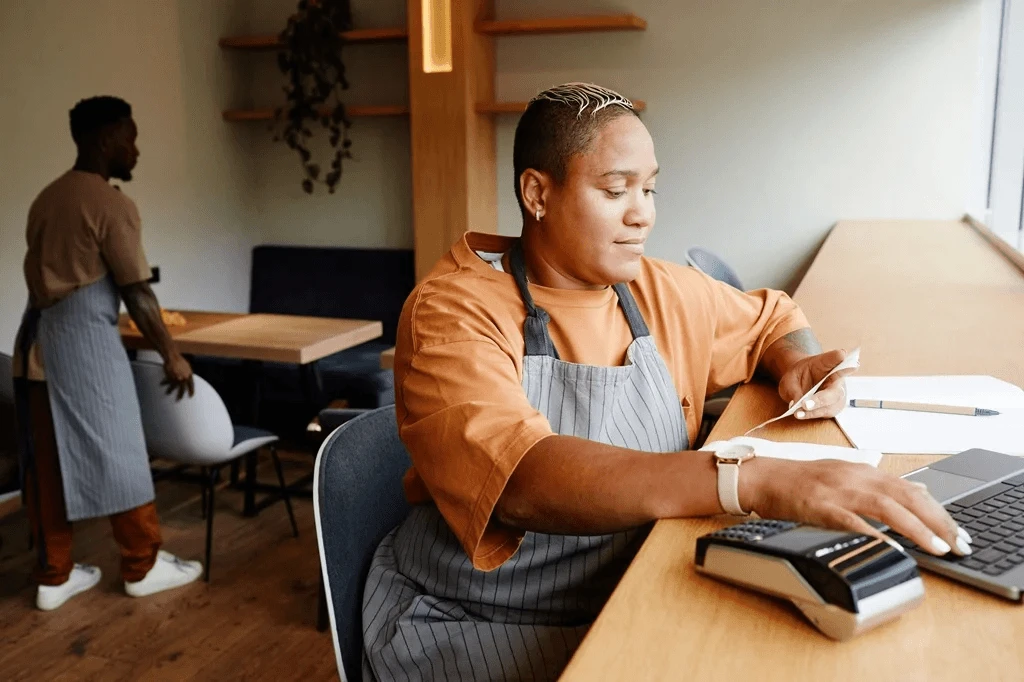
(835, 494)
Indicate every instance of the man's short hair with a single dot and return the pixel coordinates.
(560, 123)
(94, 113)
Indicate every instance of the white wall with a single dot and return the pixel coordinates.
(193, 183)
(772, 120)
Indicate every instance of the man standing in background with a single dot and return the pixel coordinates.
(83, 453)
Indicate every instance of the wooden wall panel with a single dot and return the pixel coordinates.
(453, 147)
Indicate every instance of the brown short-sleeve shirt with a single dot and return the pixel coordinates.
(80, 229)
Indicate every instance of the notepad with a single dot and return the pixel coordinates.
(804, 452)
(906, 432)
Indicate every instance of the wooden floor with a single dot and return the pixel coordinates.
(255, 620)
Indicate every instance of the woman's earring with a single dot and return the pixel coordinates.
(538, 215)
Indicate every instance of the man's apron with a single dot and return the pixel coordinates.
(429, 615)
(103, 461)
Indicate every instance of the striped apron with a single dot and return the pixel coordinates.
(429, 615)
(104, 465)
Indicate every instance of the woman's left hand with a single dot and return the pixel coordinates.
(802, 377)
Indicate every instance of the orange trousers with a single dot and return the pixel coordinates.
(137, 531)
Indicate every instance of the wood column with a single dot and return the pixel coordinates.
(454, 186)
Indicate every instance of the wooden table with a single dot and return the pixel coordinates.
(918, 297)
(387, 359)
(272, 338)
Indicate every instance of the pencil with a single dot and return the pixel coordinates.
(923, 407)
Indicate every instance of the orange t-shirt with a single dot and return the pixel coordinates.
(462, 411)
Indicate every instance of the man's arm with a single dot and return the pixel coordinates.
(143, 307)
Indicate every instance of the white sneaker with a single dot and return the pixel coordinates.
(83, 577)
(167, 573)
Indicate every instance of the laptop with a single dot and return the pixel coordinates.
(984, 493)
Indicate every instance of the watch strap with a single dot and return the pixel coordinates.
(729, 488)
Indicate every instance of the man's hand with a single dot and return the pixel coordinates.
(833, 494)
(805, 373)
(178, 377)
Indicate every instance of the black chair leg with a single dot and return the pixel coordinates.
(284, 490)
(323, 619)
(206, 478)
(212, 483)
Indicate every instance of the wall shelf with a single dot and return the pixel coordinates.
(354, 111)
(511, 27)
(362, 35)
(520, 107)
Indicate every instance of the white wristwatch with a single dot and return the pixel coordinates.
(728, 460)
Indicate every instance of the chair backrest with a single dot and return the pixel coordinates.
(358, 499)
(713, 266)
(194, 430)
(9, 478)
(363, 284)
(6, 379)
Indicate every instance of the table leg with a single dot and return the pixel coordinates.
(312, 386)
(249, 506)
(254, 374)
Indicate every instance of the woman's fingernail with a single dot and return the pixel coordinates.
(964, 535)
(940, 545)
(800, 414)
(964, 548)
(809, 405)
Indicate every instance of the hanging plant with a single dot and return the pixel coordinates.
(311, 61)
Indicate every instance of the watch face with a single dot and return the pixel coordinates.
(735, 453)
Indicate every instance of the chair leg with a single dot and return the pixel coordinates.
(212, 483)
(323, 619)
(284, 491)
(205, 474)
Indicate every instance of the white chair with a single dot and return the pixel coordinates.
(197, 431)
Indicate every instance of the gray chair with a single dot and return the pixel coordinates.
(198, 432)
(8, 423)
(713, 266)
(357, 499)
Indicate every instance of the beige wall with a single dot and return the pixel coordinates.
(193, 182)
(774, 119)
(371, 206)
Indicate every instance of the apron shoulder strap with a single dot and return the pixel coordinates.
(637, 324)
(535, 329)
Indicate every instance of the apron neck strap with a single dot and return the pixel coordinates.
(637, 324)
(535, 329)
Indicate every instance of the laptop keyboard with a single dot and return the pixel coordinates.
(994, 516)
